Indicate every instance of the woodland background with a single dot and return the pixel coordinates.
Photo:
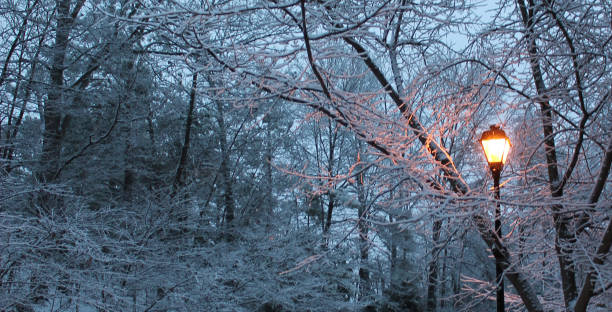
(292, 155)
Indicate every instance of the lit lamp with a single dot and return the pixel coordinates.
(496, 146)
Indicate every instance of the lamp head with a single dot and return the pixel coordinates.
(496, 145)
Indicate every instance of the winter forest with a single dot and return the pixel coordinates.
(293, 155)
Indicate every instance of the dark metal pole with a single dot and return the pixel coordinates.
(498, 267)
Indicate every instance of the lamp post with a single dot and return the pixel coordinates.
(496, 146)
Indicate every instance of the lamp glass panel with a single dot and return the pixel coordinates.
(496, 150)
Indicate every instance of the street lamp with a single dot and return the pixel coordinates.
(496, 146)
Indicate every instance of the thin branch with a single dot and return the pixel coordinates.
(604, 247)
(437, 151)
(309, 52)
(89, 144)
(22, 29)
(164, 294)
(77, 9)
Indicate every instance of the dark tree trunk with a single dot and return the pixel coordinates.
(333, 136)
(270, 203)
(364, 241)
(53, 106)
(330, 210)
(432, 279)
(565, 238)
(590, 281)
(179, 179)
(54, 124)
(228, 196)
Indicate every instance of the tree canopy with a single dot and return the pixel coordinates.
(293, 155)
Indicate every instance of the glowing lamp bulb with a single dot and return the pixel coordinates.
(496, 145)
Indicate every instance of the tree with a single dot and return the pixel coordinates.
(186, 149)
(563, 58)
(22, 90)
(55, 123)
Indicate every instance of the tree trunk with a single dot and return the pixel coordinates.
(54, 124)
(432, 279)
(224, 167)
(129, 175)
(180, 170)
(588, 287)
(362, 226)
(270, 203)
(331, 145)
(565, 238)
(53, 106)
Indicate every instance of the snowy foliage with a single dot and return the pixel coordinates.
(250, 155)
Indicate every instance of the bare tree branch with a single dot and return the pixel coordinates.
(604, 247)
